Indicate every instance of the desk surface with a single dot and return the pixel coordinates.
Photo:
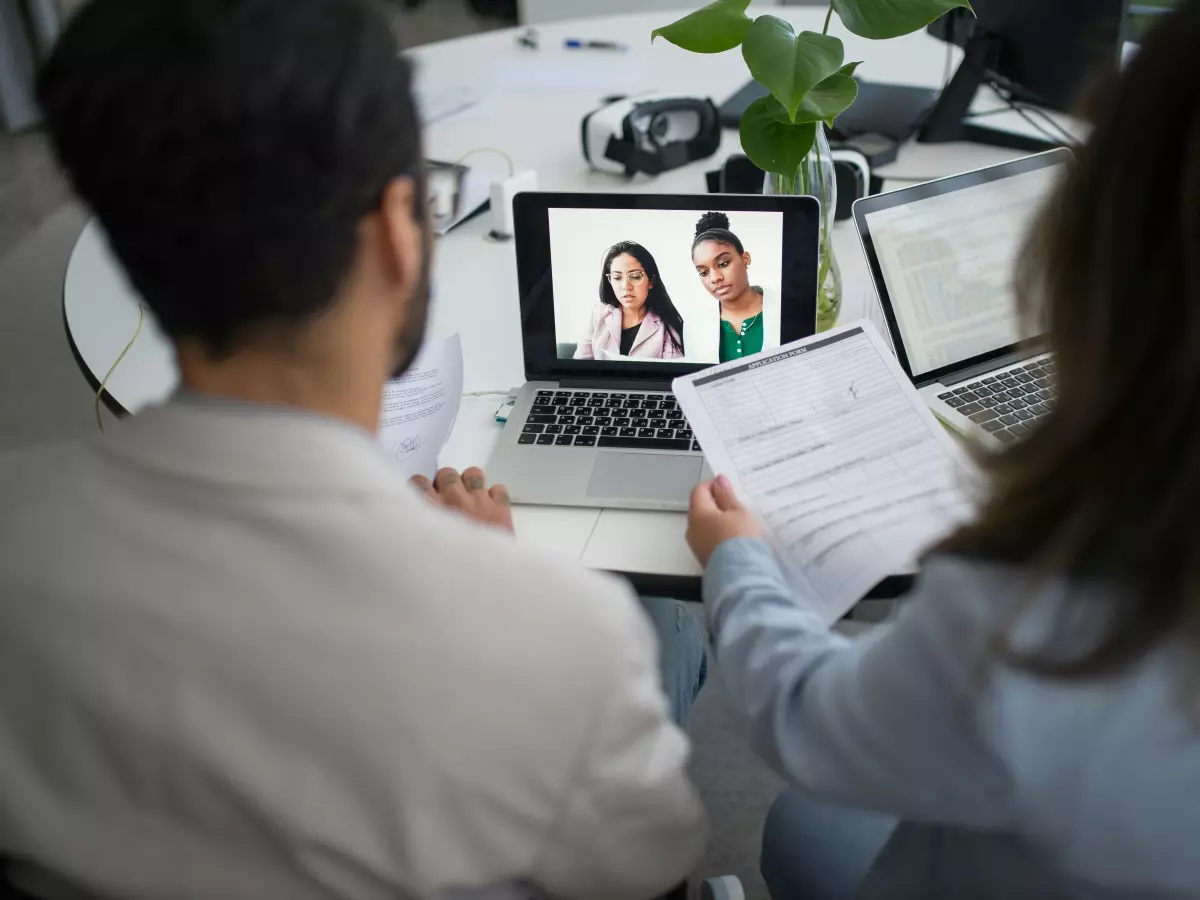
(529, 106)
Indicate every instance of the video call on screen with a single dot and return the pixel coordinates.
(629, 285)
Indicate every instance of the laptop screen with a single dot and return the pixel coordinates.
(632, 288)
(650, 286)
(944, 256)
(1140, 17)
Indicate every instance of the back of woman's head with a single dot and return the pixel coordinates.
(1109, 486)
(658, 301)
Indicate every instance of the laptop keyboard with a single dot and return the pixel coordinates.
(1008, 403)
(602, 419)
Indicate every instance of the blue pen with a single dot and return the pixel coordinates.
(578, 44)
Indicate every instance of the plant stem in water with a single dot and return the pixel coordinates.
(826, 236)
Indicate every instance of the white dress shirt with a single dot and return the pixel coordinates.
(241, 658)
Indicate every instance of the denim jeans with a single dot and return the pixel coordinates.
(820, 851)
(683, 663)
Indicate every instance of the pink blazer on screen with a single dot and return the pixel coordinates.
(603, 338)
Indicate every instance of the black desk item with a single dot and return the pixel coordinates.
(731, 110)
(649, 134)
(894, 111)
(1034, 51)
(740, 176)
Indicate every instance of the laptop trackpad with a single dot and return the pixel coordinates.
(644, 476)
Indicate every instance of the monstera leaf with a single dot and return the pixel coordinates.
(772, 145)
(882, 19)
(714, 28)
(824, 103)
(787, 64)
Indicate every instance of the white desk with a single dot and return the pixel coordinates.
(532, 103)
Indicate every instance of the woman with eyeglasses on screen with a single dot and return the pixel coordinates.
(723, 265)
(635, 316)
(1029, 726)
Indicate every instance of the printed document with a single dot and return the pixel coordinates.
(828, 442)
(419, 408)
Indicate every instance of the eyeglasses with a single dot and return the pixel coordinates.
(636, 277)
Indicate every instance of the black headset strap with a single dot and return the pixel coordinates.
(624, 150)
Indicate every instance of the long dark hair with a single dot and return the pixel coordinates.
(1107, 490)
(658, 301)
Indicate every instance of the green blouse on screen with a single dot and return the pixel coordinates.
(736, 344)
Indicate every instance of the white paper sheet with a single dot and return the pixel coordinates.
(438, 102)
(418, 409)
(828, 441)
(571, 70)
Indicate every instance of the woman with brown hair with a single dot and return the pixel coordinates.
(1030, 726)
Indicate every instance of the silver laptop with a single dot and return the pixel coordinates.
(620, 294)
(943, 256)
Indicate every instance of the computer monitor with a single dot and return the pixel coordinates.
(1042, 52)
(1140, 17)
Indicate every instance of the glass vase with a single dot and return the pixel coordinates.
(816, 178)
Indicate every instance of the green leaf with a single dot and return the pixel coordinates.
(787, 64)
(714, 28)
(824, 103)
(882, 19)
(828, 100)
(772, 145)
(850, 68)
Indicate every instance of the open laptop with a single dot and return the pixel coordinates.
(943, 256)
(596, 424)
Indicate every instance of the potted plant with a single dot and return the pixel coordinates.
(810, 85)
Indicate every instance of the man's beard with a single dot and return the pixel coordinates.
(412, 333)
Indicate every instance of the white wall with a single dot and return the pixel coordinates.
(580, 238)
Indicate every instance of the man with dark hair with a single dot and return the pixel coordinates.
(239, 656)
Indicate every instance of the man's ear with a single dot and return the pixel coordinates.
(403, 235)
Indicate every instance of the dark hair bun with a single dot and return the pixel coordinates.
(712, 220)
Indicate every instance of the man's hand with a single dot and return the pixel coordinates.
(468, 494)
(716, 516)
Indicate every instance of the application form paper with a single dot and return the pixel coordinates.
(828, 442)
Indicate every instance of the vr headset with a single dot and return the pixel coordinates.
(650, 135)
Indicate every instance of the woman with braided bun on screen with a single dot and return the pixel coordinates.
(723, 265)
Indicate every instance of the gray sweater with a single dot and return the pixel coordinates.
(1096, 783)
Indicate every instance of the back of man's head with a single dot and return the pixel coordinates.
(230, 148)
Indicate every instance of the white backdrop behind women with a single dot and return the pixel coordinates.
(580, 238)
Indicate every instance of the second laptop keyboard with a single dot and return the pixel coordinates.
(1008, 403)
(644, 421)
